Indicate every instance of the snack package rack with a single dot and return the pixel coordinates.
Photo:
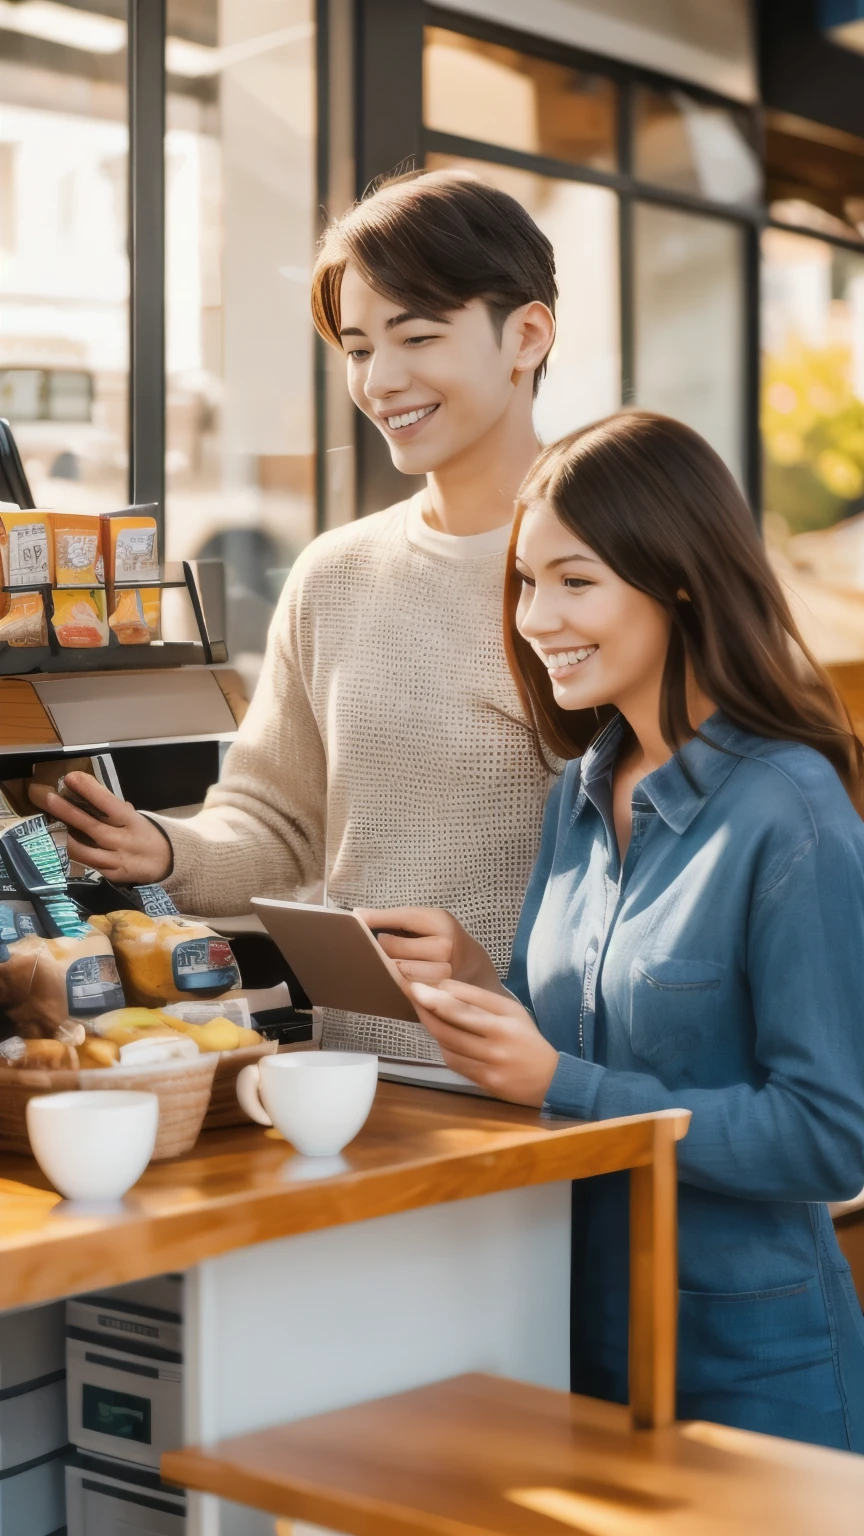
(157, 716)
(202, 582)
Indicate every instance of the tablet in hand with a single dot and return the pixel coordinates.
(336, 959)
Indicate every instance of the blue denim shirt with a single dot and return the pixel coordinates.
(722, 971)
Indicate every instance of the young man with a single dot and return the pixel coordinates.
(385, 749)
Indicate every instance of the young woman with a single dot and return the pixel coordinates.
(693, 933)
(386, 740)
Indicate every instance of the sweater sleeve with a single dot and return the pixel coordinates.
(261, 829)
(799, 1133)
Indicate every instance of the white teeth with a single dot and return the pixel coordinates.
(408, 418)
(554, 659)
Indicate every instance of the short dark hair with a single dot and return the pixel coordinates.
(658, 505)
(434, 241)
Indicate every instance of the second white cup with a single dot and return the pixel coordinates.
(319, 1100)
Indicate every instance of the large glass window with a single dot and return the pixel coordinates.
(689, 344)
(240, 234)
(64, 268)
(689, 147)
(497, 95)
(813, 433)
(583, 379)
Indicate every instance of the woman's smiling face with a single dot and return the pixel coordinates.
(433, 385)
(601, 640)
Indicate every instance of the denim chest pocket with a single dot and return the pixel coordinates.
(674, 1009)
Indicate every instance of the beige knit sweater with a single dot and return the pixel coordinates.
(386, 740)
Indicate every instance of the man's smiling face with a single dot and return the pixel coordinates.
(433, 385)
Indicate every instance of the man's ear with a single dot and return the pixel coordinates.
(536, 324)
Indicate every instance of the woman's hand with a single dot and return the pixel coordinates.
(431, 946)
(489, 1038)
(122, 845)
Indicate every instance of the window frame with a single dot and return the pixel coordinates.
(388, 130)
(631, 191)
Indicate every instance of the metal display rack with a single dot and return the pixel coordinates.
(202, 580)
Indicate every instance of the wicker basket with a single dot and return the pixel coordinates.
(224, 1107)
(182, 1087)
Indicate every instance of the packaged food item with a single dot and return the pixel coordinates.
(45, 983)
(26, 560)
(80, 621)
(24, 622)
(164, 959)
(76, 541)
(18, 917)
(32, 871)
(130, 549)
(57, 969)
(127, 620)
(26, 549)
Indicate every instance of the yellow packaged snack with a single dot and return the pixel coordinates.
(26, 560)
(130, 551)
(79, 619)
(24, 621)
(168, 959)
(77, 549)
(127, 619)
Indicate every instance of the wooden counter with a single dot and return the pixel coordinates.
(419, 1148)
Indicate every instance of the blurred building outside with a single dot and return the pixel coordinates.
(705, 198)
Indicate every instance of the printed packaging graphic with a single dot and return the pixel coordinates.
(204, 965)
(28, 555)
(135, 552)
(77, 549)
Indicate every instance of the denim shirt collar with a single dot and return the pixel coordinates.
(679, 789)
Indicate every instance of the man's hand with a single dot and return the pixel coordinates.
(431, 946)
(127, 848)
(489, 1038)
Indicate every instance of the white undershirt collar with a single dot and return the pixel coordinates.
(451, 546)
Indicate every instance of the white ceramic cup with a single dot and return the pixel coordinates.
(93, 1145)
(319, 1100)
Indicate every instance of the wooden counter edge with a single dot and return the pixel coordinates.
(52, 1265)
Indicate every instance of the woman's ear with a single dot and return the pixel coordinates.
(683, 596)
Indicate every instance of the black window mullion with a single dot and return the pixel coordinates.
(751, 404)
(146, 53)
(388, 41)
(627, 284)
(626, 260)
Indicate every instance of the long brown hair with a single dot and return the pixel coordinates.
(658, 505)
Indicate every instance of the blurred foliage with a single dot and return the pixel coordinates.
(813, 432)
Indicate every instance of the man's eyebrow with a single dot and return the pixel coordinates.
(408, 315)
(402, 319)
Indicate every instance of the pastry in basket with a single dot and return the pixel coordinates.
(166, 959)
(42, 1055)
(131, 1026)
